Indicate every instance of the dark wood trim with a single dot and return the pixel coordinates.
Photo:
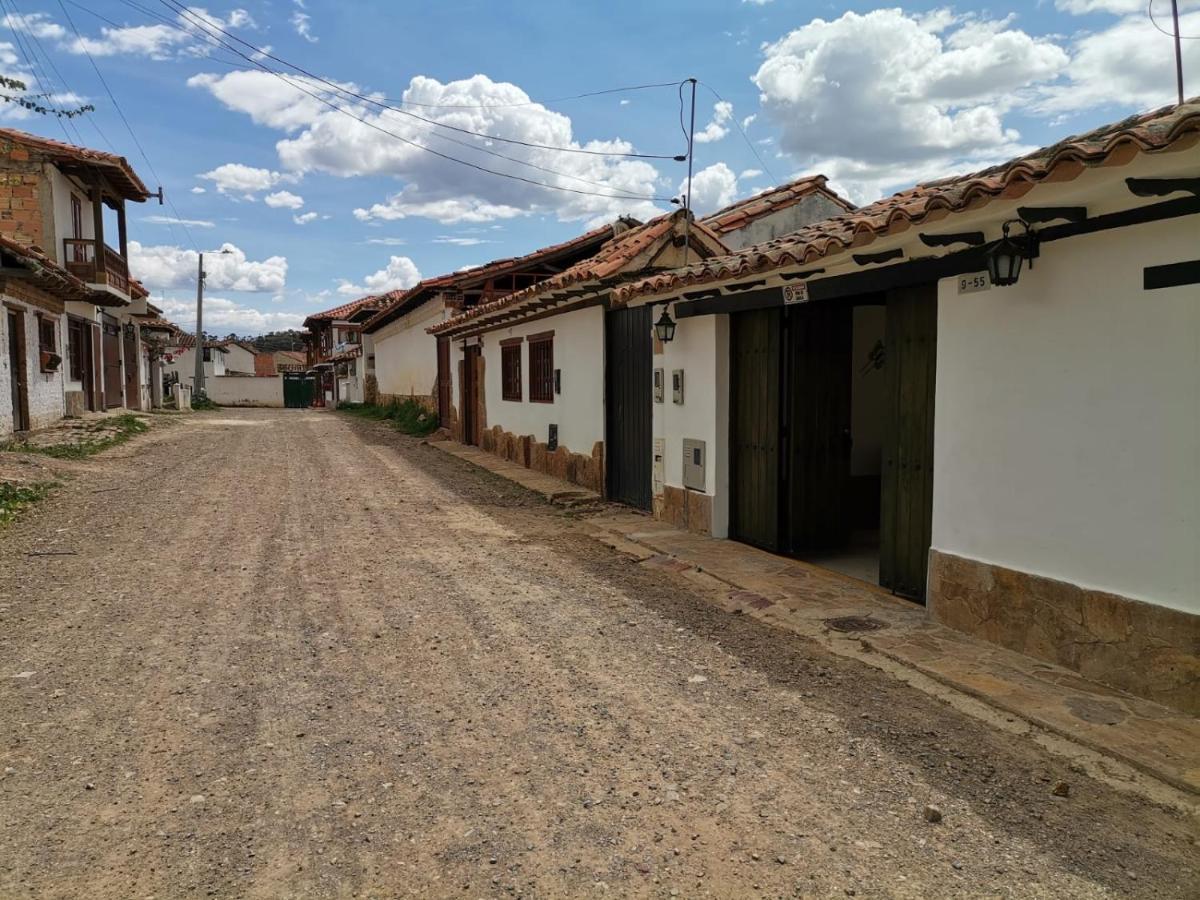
(1171, 275)
(540, 336)
(509, 342)
(866, 259)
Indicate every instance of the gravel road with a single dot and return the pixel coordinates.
(286, 654)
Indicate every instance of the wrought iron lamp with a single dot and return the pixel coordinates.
(1005, 257)
(664, 328)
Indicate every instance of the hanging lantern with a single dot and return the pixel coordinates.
(664, 328)
(1005, 257)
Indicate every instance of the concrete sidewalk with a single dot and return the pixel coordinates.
(854, 618)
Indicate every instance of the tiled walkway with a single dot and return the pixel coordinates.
(805, 599)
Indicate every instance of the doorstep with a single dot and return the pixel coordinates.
(854, 618)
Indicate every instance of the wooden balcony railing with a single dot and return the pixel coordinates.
(80, 257)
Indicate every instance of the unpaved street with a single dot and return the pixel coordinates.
(286, 654)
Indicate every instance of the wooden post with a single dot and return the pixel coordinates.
(98, 237)
(121, 231)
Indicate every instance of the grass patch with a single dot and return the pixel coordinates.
(203, 403)
(15, 497)
(94, 438)
(407, 416)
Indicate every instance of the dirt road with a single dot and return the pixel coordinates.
(284, 654)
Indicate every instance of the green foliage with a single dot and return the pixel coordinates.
(203, 402)
(26, 100)
(403, 415)
(98, 436)
(15, 497)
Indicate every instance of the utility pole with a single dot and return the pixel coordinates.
(687, 200)
(1178, 50)
(198, 386)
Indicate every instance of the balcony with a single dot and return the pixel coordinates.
(79, 255)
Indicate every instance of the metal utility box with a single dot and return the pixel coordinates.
(677, 385)
(694, 463)
(659, 386)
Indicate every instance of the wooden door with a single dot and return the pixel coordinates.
(133, 388)
(906, 522)
(816, 429)
(443, 381)
(472, 359)
(18, 370)
(111, 341)
(628, 441)
(96, 364)
(755, 419)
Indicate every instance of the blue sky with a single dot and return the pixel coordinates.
(319, 208)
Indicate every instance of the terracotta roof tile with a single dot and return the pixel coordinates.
(1118, 142)
(771, 201)
(49, 275)
(347, 309)
(119, 172)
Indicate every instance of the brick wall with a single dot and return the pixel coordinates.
(22, 204)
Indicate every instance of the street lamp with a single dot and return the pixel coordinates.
(664, 328)
(1006, 255)
(198, 386)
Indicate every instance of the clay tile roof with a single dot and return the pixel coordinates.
(186, 341)
(771, 201)
(1167, 128)
(400, 302)
(117, 168)
(609, 266)
(47, 274)
(343, 312)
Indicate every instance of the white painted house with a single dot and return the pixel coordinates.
(1023, 457)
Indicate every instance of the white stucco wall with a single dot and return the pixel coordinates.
(45, 389)
(405, 355)
(61, 189)
(1067, 424)
(239, 359)
(579, 354)
(245, 390)
(701, 350)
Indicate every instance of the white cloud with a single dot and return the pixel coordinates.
(319, 139)
(750, 173)
(164, 267)
(400, 273)
(748, 121)
(305, 218)
(302, 22)
(886, 93)
(222, 316)
(718, 127)
(461, 241)
(712, 188)
(236, 178)
(199, 190)
(38, 24)
(172, 220)
(284, 200)
(388, 241)
(193, 35)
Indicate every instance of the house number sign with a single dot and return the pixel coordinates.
(972, 284)
(795, 293)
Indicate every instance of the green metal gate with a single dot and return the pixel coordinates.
(298, 390)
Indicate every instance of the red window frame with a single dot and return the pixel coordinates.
(541, 367)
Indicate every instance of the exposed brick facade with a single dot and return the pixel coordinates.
(24, 196)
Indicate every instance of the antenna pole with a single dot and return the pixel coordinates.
(687, 200)
(1178, 51)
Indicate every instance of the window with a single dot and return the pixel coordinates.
(510, 368)
(48, 344)
(75, 338)
(541, 367)
(76, 217)
(208, 354)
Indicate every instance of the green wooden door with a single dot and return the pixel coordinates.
(906, 522)
(817, 427)
(754, 442)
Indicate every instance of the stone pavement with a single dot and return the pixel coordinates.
(854, 618)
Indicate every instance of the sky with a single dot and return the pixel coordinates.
(395, 141)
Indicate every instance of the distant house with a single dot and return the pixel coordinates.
(239, 357)
(411, 364)
(336, 351)
(180, 358)
(70, 326)
(290, 361)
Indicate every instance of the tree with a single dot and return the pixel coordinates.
(25, 100)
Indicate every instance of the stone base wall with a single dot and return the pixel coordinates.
(371, 390)
(690, 510)
(429, 402)
(585, 471)
(1147, 650)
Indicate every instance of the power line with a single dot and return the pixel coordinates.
(609, 193)
(18, 27)
(125, 121)
(616, 90)
(172, 4)
(1171, 34)
(741, 131)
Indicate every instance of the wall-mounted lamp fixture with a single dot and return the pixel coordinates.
(1006, 255)
(664, 328)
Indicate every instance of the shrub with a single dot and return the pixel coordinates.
(407, 416)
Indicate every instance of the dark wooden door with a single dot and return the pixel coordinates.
(906, 522)
(111, 341)
(18, 370)
(472, 360)
(628, 444)
(97, 367)
(816, 430)
(443, 381)
(133, 388)
(755, 417)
